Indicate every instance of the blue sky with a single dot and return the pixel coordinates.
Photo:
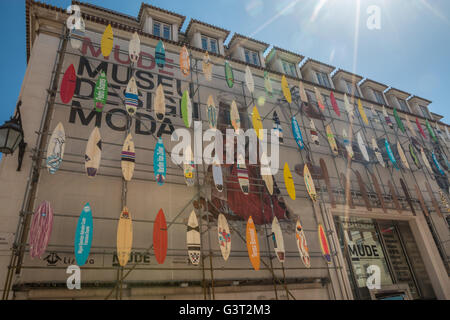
(410, 52)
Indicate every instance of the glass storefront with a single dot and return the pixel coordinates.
(390, 246)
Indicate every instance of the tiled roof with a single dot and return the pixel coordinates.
(145, 5)
(399, 91)
(237, 35)
(318, 62)
(419, 98)
(299, 56)
(374, 82)
(206, 25)
(347, 73)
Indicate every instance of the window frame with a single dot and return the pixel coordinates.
(426, 114)
(208, 43)
(290, 65)
(403, 107)
(380, 95)
(352, 89)
(251, 57)
(320, 78)
(161, 29)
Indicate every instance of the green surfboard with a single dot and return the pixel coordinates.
(430, 130)
(101, 92)
(229, 74)
(399, 121)
(413, 155)
(186, 109)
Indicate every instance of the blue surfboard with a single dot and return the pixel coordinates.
(160, 54)
(297, 133)
(83, 235)
(436, 162)
(390, 154)
(159, 162)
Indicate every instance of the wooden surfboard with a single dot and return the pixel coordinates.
(134, 48)
(289, 181)
(68, 85)
(324, 244)
(394, 196)
(93, 153)
(362, 113)
(362, 147)
(193, 239)
(302, 244)
(124, 237)
(347, 144)
(332, 141)
(378, 191)
(77, 34)
(229, 75)
(212, 113)
(407, 196)
(217, 175)
(160, 237)
(268, 84)
(285, 89)
(107, 41)
(83, 235)
(160, 54)
(421, 200)
(224, 235)
(185, 63)
(297, 133)
(433, 199)
(266, 173)
(277, 127)
(313, 132)
(377, 152)
(186, 109)
(242, 174)
(249, 82)
(399, 121)
(131, 97)
(387, 118)
(420, 129)
(436, 163)
(159, 162)
(128, 158)
(319, 99)
(234, 117)
(189, 167)
(207, 67)
(55, 149)
(160, 103)
(390, 154)
(326, 177)
(425, 160)
(101, 92)
(402, 155)
(363, 190)
(309, 183)
(408, 124)
(257, 123)
(301, 89)
(40, 229)
(348, 107)
(348, 192)
(278, 241)
(334, 104)
(252, 244)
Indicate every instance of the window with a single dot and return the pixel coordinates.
(424, 111)
(351, 89)
(251, 57)
(379, 97)
(322, 78)
(403, 105)
(209, 44)
(289, 68)
(165, 28)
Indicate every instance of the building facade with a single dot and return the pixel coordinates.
(373, 215)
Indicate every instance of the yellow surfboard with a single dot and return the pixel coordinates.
(289, 181)
(124, 237)
(257, 123)
(107, 41)
(285, 88)
(332, 140)
(309, 183)
(362, 113)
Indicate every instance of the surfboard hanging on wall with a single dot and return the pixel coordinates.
(124, 237)
(387, 119)
(257, 123)
(77, 34)
(212, 112)
(186, 109)
(160, 237)
(420, 129)
(128, 158)
(189, 167)
(83, 235)
(242, 174)
(319, 99)
(234, 117)
(334, 104)
(93, 153)
(390, 154)
(101, 92)
(437, 164)
(399, 121)
(313, 132)
(362, 146)
(68, 85)
(266, 173)
(55, 149)
(160, 103)
(159, 162)
(249, 82)
(193, 239)
(430, 131)
(309, 183)
(348, 108)
(297, 133)
(285, 89)
(107, 41)
(362, 113)
(278, 241)
(347, 144)
(131, 97)
(134, 48)
(324, 244)
(377, 152)
(302, 244)
(160, 54)
(224, 236)
(332, 141)
(217, 175)
(229, 75)
(252, 244)
(268, 84)
(402, 155)
(207, 66)
(289, 181)
(185, 62)
(40, 229)
(414, 156)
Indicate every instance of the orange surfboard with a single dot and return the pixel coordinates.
(252, 244)
(324, 244)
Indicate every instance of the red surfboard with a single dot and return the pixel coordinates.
(160, 237)
(334, 104)
(420, 128)
(68, 85)
(324, 244)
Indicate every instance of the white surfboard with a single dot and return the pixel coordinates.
(362, 147)
(93, 153)
(189, 167)
(242, 174)
(377, 152)
(313, 132)
(217, 175)
(224, 236)
(348, 107)
(402, 155)
(266, 173)
(77, 34)
(128, 158)
(131, 97)
(425, 160)
(347, 144)
(134, 48)
(278, 241)
(212, 112)
(234, 117)
(193, 239)
(249, 82)
(160, 104)
(55, 149)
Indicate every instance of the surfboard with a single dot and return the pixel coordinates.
(160, 237)
(309, 183)
(185, 63)
(394, 196)
(189, 167)
(444, 201)
(68, 85)
(334, 104)
(408, 124)
(234, 117)
(131, 97)
(399, 121)
(302, 92)
(193, 239)
(302, 244)
(160, 103)
(402, 156)
(347, 144)
(289, 181)
(348, 191)
(378, 191)
(83, 235)
(217, 175)
(433, 199)
(421, 201)
(277, 127)
(229, 75)
(430, 130)
(326, 177)
(101, 92)
(107, 41)
(128, 158)
(324, 244)
(93, 153)
(207, 66)
(374, 117)
(348, 107)
(285, 89)
(319, 98)
(407, 196)
(332, 140)
(268, 84)
(387, 118)
(40, 229)
(249, 82)
(278, 241)
(242, 174)
(436, 162)
(257, 123)
(224, 236)
(266, 173)
(362, 113)
(55, 149)
(390, 154)
(362, 189)
(377, 152)
(420, 129)
(159, 162)
(212, 113)
(186, 109)
(362, 146)
(425, 160)
(77, 34)
(414, 157)
(160, 54)
(134, 48)
(297, 133)
(252, 244)
(313, 132)
(124, 237)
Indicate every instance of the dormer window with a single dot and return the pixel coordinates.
(162, 30)
(379, 96)
(402, 104)
(424, 111)
(209, 44)
(289, 68)
(252, 57)
(322, 78)
(351, 88)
